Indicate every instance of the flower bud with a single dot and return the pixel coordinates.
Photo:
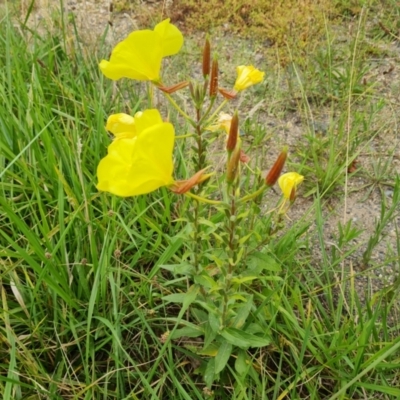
(233, 133)
(214, 78)
(206, 58)
(233, 166)
(276, 169)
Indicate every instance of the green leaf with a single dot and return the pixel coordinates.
(222, 357)
(191, 295)
(206, 222)
(242, 313)
(187, 331)
(169, 252)
(209, 375)
(260, 261)
(239, 255)
(243, 279)
(175, 297)
(392, 391)
(237, 297)
(206, 281)
(210, 350)
(200, 315)
(185, 298)
(244, 239)
(244, 340)
(241, 364)
(209, 336)
(214, 322)
(179, 269)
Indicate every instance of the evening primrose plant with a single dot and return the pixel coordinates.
(221, 279)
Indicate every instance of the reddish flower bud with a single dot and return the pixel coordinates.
(206, 58)
(214, 78)
(276, 169)
(174, 88)
(228, 94)
(233, 133)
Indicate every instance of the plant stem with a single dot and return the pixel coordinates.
(197, 205)
(203, 199)
(217, 110)
(180, 111)
(232, 248)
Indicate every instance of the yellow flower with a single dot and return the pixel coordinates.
(288, 183)
(223, 122)
(121, 125)
(247, 76)
(142, 163)
(139, 56)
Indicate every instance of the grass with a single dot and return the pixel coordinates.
(83, 274)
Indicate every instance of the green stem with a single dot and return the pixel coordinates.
(209, 108)
(203, 199)
(180, 111)
(232, 246)
(217, 110)
(196, 237)
(197, 206)
(253, 195)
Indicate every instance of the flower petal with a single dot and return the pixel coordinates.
(141, 164)
(289, 181)
(223, 122)
(121, 125)
(171, 37)
(137, 57)
(147, 119)
(247, 76)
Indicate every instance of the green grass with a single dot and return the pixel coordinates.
(81, 273)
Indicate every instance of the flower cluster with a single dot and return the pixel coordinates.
(140, 159)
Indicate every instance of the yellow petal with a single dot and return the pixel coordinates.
(289, 181)
(113, 170)
(223, 122)
(137, 57)
(247, 76)
(121, 125)
(152, 161)
(147, 119)
(138, 165)
(171, 37)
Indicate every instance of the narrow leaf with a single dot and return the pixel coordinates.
(222, 357)
(243, 339)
